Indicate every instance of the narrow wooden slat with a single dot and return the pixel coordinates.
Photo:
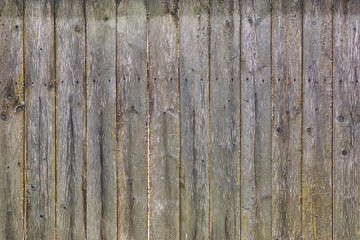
(132, 115)
(346, 205)
(164, 120)
(101, 179)
(256, 120)
(317, 120)
(224, 121)
(194, 92)
(11, 120)
(40, 118)
(70, 118)
(286, 131)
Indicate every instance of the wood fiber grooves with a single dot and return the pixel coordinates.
(191, 119)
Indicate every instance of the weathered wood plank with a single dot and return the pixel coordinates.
(70, 119)
(287, 115)
(224, 121)
(346, 205)
(194, 92)
(101, 220)
(317, 121)
(132, 115)
(256, 120)
(164, 120)
(40, 118)
(11, 120)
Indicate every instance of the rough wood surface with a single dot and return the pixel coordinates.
(286, 129)
(317, 121)
(132, 116)
(194, 92)
(101, 220)
(11, 120)
(224, 121)
(256, 120)
(346, 205)
(40, 118)
(70, 119)
(164, 120)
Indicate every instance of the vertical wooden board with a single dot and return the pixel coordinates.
(317, 121)
(40, 118)
(70, 118)
(346, 205)
(11, 120)
(101, 220)
(256, 120)
(286, 130)
(224, 120)
(164, 119)
(132, 115)
(194, 92)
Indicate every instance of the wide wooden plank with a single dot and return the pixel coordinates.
(287, 116)
(346, 205)
(40, 118)
(317, 120)
(132, 117)
(164, 119)
(194, 92)
(70, 119)
(224, 121)
(101, 212)
(256, 120)
(11, 120)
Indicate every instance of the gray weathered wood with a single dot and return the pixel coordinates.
(317, 120)
(287, 115)
(346, 205)
(164, 120)
(256, 120)
(132, 116)
(224, 121)
(101, 220)
(194, 92)
(70, 119)
(11, 120)
(40, 118)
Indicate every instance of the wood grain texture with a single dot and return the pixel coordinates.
(346, 118)
(317, 121)
(40, 118)
(256, 120)
(164, 120)
(132, 116)
(224, 121)
(194, 92)
(287, 116)
(101, 177)
(70, 118)
(11, 120)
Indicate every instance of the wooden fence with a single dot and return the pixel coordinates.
(189, 119)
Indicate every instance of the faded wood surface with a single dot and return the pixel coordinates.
(133, 121)
(287, 116)
(101, 180)
(11, 120)
(194, 92)
(317, 121)
(164, 120)
(40, 118)
(346, 205)
(256, 120)
(70, 119)
(169, 119)
(224, 124)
